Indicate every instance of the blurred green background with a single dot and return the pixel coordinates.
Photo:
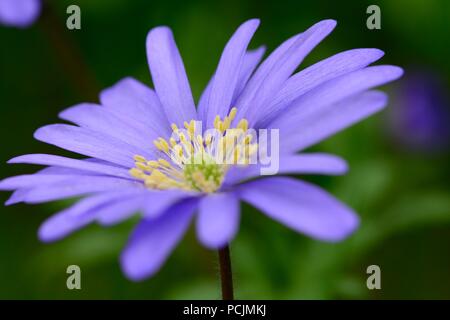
(402, 195)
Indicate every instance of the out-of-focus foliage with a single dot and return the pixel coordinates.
(403, 198)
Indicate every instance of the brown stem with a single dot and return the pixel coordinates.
(226, 275)
(67, 53)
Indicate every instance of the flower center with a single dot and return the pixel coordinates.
(195, 161)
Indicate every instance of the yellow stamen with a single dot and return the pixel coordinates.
(196, 162)
(232, 114)
(164, 163)
(174, 127)
(139, 158)
(136, 173)
(143, 166)
(153, 163)
(243, 125)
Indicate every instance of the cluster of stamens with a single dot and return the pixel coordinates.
(195, 161)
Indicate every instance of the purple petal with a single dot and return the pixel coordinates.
(19, 13)
(90, 143)
(321, 72)
(120, 211)
(77, 186)
(154, 239)
(65, 171)
(17, 197)
(103, 120)
(227, 74)
(169, 76)
(32, 180)
(47, 176)
(278, 67)
(62, 224)
(328, 121)
(301, 206)
(218, 219)
(153, 203)
(336, 90)
(251, 60)
(138, 104)
(79, 215)
(245, 98)
(313, 163)
(52, 160)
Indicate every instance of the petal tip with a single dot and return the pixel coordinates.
(209, 242)
(4, 185)
(41, 132)
(329, 23)
(344, 167)
(158, 31)
(132, 270)
(374, 53)
(348, 228)
(399, 71)
(393, 72)
(255, 22)
(10, 202)
(377, 52)
(64, 114)
(13, 160)
(44, 235)
(260, 50)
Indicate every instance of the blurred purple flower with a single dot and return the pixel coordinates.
(420, 116)
(307, 107)
(19, 13)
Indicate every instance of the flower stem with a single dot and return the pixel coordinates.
(226, 275)
(67, 53)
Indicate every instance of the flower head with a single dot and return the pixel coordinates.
(419, 118)
(144, 153)
(19, 13)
